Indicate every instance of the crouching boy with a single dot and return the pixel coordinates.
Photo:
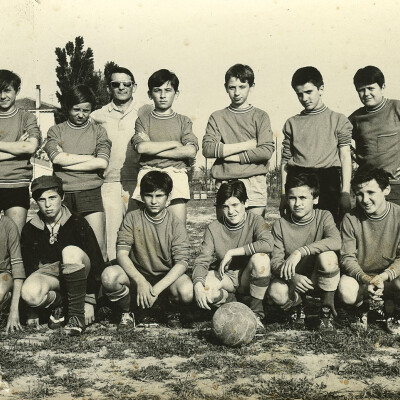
(152, 253)
(60, 251)
(12, 272)
(370, 257)
(233, 256)
(304, 260)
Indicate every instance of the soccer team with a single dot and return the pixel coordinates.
(110, 231)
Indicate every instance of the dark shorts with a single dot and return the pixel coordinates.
(394, 195)
(85, 202)
(329, 187)
(14, 197)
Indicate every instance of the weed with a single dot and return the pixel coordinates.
(71, 382)
(151, 373)
(366, 369)
(14, 364)
(38, 391)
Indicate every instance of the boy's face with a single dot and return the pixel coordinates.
(370, 95)
(79, 113)
(371, 197)
(49, 204)
(238, 92)
(301, 202)
(163, 96)
(7, 98)
(234, 210)
(155, 202)
(122, 87)
(309, 96)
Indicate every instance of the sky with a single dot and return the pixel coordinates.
(200, 40)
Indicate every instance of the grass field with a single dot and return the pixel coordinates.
(160, 363)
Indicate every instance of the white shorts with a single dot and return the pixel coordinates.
(180, 181)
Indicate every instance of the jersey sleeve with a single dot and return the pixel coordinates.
(212, 145)
(180, 247)
(28, 249)
(103, 143)
(188, 137)
(31, 127)
(14, 247)
(348, 253)
(330, 241)
(344, 132)
(141, 132)
(287, 144)
(264, 242)
(265, 143)
(278, 253)
(53, 140)
(125, 238)
(204, 259)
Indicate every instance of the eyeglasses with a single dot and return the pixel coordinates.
(117, 84)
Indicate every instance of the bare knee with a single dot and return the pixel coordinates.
(348, 290)
(32, 293)
(185, 291)
(73, 255)
(260, 265)
(328, 261)
(111, 277)
(278, 292)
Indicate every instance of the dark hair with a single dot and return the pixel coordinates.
(80, 94)
(307, 75)
(8, 78)
(366, 173)
(36, 195)
(156, 180)
(231, 189)
(368, 76)
(119, 70)
(161, 76)
(302, 178)
(240, 71)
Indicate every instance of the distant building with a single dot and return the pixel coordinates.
(44, 111)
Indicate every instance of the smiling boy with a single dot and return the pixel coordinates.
(165, 140)
(304, 260)
(318, 140)
(241, 139)
(152, 253)
(376, 127)
(234, 254)
(370, 259)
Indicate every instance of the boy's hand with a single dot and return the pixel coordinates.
(302, 284)
(144, 136)
(13, 323)
(283, 205)
(201, 297)
(344, 203)
(397, 174)
(145, 294)
(289, 267)
(250, 144)
(224, 265)
(24, 137)
(376, 286)
(89, 314)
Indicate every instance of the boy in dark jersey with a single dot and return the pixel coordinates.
(241, 140)
(376, 127)
(152, 253)
(19, 139)
(370, 256)
(318, 139)
(304, 259)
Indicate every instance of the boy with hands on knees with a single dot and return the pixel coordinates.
(304, 260)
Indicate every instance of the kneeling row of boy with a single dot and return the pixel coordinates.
(60, 252)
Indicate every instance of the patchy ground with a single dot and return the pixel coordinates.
(160, 363)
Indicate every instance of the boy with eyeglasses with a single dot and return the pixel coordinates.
(165, 140)
(118, 118)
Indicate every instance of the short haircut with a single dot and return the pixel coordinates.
(302, 178)
(44, 183)
(161, 76)
(240, 71)
(368, 76)
(366, 173)
(80, 94)
(307, 75)
(38, 193)
(8, 78)
(156, 180)
(119, 70)
(230, 189)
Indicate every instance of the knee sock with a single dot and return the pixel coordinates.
(121, 297)
(75, 283)
(258, 288)
(52, 300)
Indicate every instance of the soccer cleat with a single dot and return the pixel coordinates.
(260, 326)
(56, 319)
(326, 320)
(174, 320)
(73, 327)
(392, 325)
(297, 316)
(127, 321)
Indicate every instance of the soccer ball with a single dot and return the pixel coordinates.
(234, 324)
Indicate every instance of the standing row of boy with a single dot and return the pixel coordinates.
(317, 141)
